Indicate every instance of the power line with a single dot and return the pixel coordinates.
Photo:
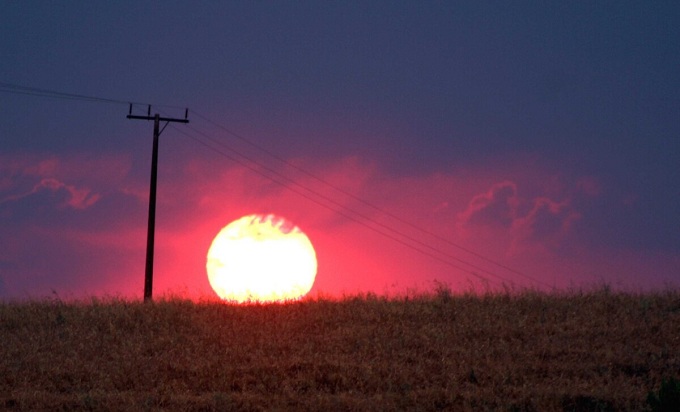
(385, 230)
(340, 212)
(38, 92)
(365, 202)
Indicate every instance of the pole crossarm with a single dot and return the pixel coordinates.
(162, 119)
(148, 275)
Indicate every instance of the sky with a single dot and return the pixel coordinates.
(481, 145)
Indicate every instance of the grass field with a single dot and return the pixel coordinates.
(516, 352)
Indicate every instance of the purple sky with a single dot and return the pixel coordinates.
(542, 138)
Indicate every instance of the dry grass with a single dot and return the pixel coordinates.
(526, 351)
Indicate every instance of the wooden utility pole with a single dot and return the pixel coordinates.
(148, 275)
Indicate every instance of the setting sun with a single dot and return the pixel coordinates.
(261, 258)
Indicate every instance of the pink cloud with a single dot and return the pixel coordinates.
(419, 211)
(458, 224)
(519, 223)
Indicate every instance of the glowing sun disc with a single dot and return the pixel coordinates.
(261, 258)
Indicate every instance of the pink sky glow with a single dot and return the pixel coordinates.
(91, 217)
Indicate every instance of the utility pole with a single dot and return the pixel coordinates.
(148, 275)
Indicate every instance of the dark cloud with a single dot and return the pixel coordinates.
(545, 225)
(64, 195)
(527, 222)
(497, 207)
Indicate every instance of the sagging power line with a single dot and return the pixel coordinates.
(350, 213)
(365, 202)
(312, 195)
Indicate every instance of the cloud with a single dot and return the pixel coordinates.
(361, 242)
(75, 180)
(497, 207)
(538, 222)
(70, 195)
(544, 226)
(109, 168)
(394, 232)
